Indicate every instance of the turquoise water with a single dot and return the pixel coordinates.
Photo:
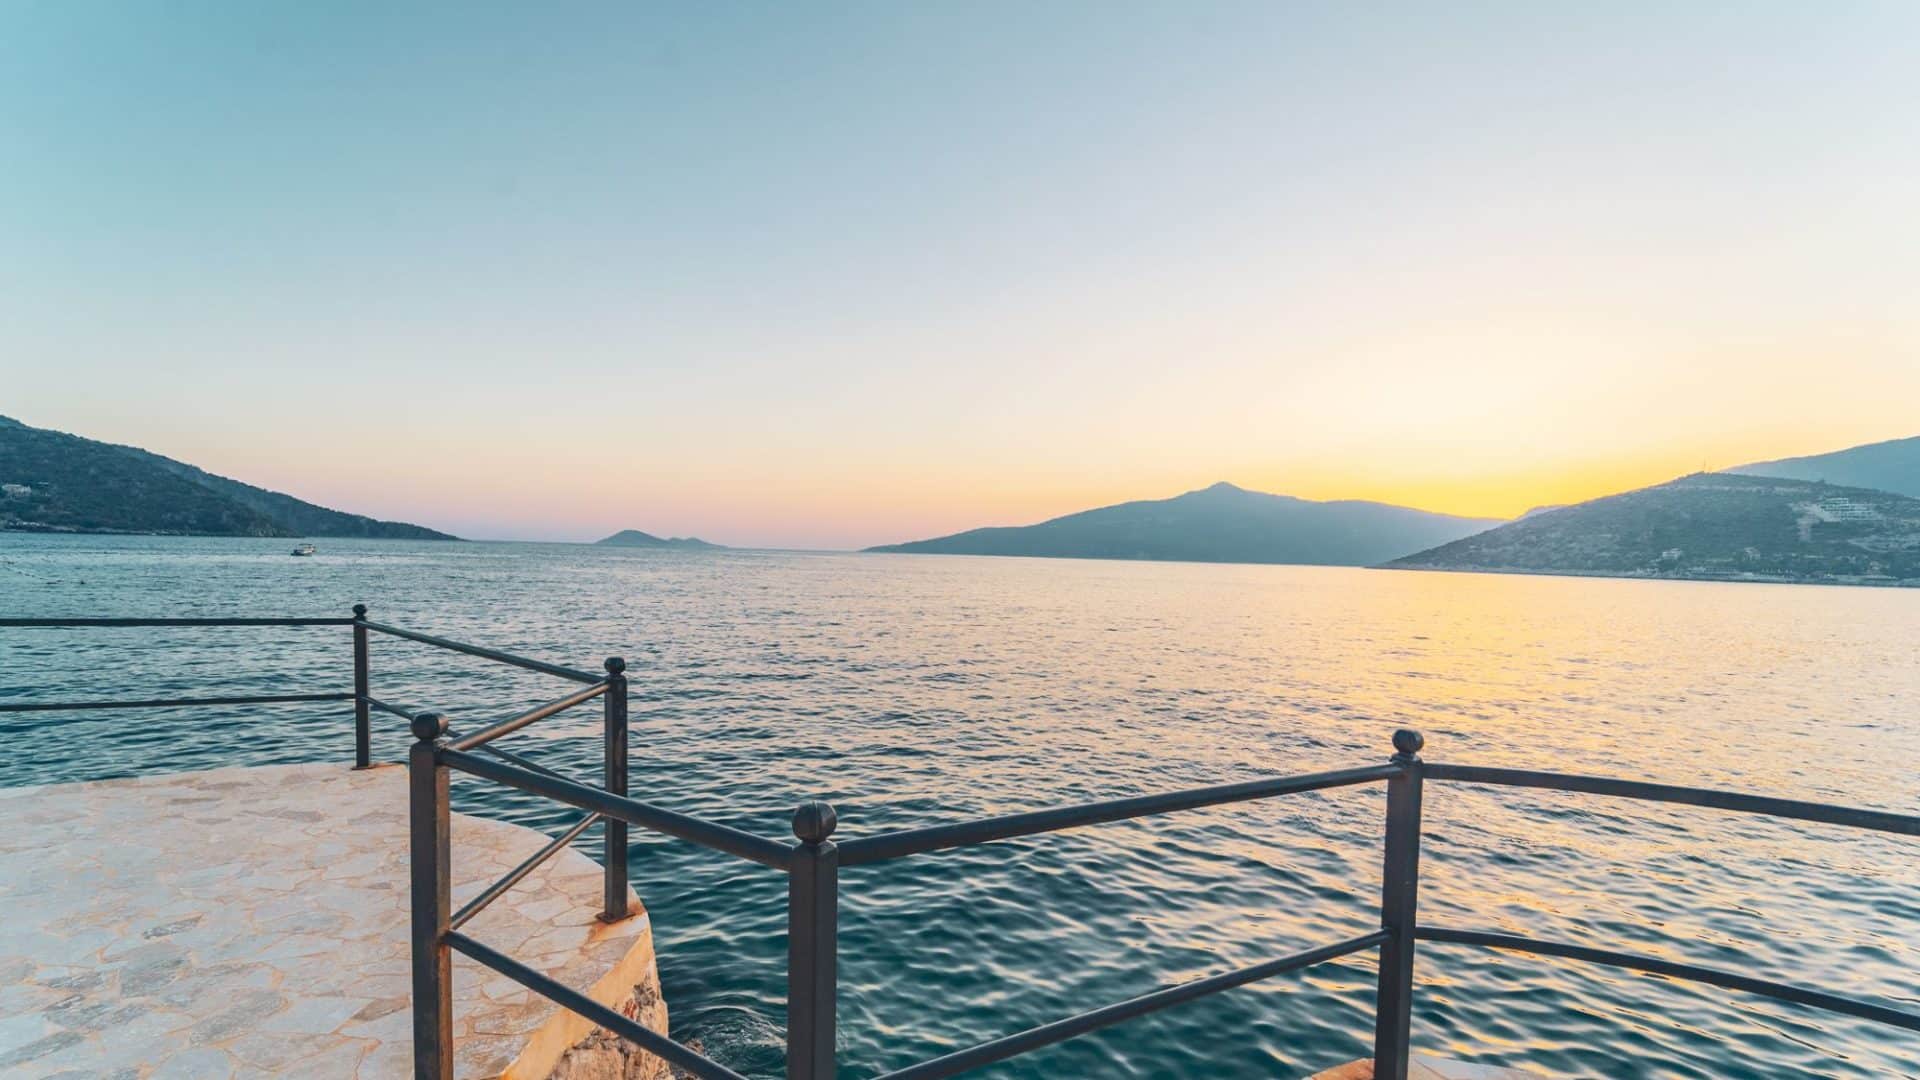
(912, 690)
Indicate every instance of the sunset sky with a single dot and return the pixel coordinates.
(837, 275)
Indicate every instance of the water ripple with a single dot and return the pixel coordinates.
(920, 691)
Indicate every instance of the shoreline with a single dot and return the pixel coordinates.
(1722, 579)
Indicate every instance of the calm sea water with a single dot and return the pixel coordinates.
(916, 690)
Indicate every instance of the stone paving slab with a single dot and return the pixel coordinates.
(253, 922)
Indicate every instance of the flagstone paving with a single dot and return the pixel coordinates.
(253, 921)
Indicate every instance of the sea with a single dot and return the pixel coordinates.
(919, 690)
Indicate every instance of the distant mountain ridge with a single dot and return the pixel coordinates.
(636, 538)
(58, 482)
(1893, 466)
(1708, 526)
(1222, 523)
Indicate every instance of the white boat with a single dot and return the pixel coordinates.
(303, 549)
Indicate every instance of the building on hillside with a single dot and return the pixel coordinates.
(1841, 508)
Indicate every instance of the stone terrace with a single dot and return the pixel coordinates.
(242, 922)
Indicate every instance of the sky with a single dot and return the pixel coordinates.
(846, 274)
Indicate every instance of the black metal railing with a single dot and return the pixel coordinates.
(812, 863)
(176, 702)
(612, 686)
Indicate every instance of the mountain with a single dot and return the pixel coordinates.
(1222, 523)
(59, 482)
(1713, 526)
(299, 518)
(1888, 466)
(636, 539)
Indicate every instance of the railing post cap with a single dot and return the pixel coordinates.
(1407, 743)
(814, 821)
(616, 664)
(359, 611)
(428, 726)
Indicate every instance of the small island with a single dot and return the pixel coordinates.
(634, 538)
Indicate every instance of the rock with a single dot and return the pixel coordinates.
(603, 1055)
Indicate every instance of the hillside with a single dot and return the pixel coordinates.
(636, 539)
(65, 483)
(1714, 526)
(1885, 466)
(1222, 523)
(298, 517)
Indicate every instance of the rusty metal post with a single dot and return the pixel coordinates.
(813, 931)
(614, 896)
(362, 723)
(432, 878)
(1399, 902)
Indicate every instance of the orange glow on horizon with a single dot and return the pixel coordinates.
(572, 493)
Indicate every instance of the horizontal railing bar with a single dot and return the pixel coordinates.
(631, 1030)
(1877, 820)
(494, 891)
(487, 654)
(512, 758)
(167, 703)
(387, 708)
(25, 623)
(515, 759)
(485, 749)
(710, 834)
(872, 849)
(1061, 1030)
(538, 712)
(1692, 972)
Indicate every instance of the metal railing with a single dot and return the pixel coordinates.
(167, 703)
(612, 686)
(812, 863)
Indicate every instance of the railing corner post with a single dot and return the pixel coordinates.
(614, 906)
(362, 725)
(1399, 905)
(813, 931)
(432, 901)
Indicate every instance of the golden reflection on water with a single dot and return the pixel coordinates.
(913, 691)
